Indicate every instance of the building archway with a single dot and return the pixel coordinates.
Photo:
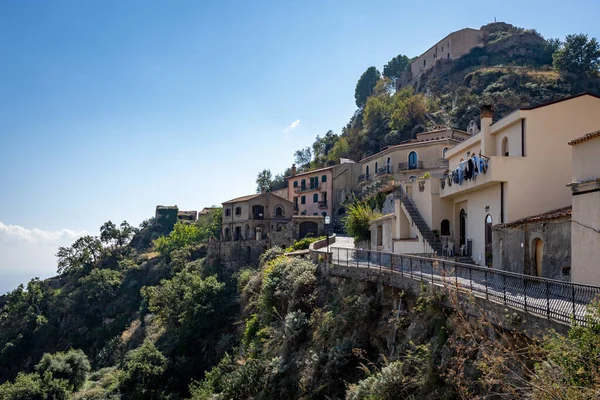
(308, 228)
(538, 256)
(488, 239)
(462, 227)
(389, 165)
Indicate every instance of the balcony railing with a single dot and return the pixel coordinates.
(385, 170)
(405, 166)
(322, 204)
(299, 189)
(364, 178)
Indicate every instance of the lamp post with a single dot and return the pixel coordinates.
(327, 221)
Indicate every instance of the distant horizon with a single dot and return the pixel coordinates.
(108, 110)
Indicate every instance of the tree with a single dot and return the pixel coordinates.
(578, 55)
(71, 367)
(340, 149)
(358, 219)
(182, 235)
(126, 231)
(366, 85)
(143, 373)
(303, 157)
(82, 254)
(396, 66)
(263, 180)
(110, 234)
(322, 146)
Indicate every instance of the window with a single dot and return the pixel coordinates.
(413, 160)
(445, 228)
(442, 48)
(227, 212)
(295, 183)
(312, 183)
(324, 213)
(317, 214)
(389, 165)
(367, 172)
(424, 63)
(444, 152)
(448, 56)
(238, 211)
(303, 184)
(227, 232)
(505, 146)
(324, 179)
(324, 198)
(413, 178)
(379, 235)
(316, 198)
(303, 200)
(278, 211)
(376, 165)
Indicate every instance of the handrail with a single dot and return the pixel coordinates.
(560, 301)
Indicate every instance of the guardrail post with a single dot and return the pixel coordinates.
(548, 299)
(573, 298)
(456, 275)
(338, 255)
(347, 257)
(432, 272)
(504, 287)
(368, 259)
(421, 268)
(525, 292)
(356, 258)
(410, 266)
(401, 266)
(486, 286)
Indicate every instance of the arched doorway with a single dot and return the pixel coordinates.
(412, 160)
(462, 228)
(259, 232)
(367, 173)
(538, 256)
(505, 147)
(308, 228)
(389, 165)
(488, 239)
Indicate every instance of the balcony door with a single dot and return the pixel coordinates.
(412, 160)
(462, 228)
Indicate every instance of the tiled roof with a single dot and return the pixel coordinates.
(187, 213)
(243, 198)
(411, 142)
(585, 137)
(550, 215)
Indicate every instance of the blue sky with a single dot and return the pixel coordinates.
(108, 108)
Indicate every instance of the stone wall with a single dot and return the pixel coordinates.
(514, 248)
(238, 254)
(165, 218)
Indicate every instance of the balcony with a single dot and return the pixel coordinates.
(500, 169)
(364, 178)
(385, 171)
(300, 189)
(323, 204)
(404, 166)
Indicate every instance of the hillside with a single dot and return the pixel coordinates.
(172, 324)
(515, 68)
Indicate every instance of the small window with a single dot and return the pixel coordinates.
(376, 165)
(448, 56)
(227, 212)
(226, 231)
(424, 63)
(324, 179)
(316, 198)
(238, 211)
(379, 235)
(324, 213)
(303, 200)
(444, 152)
(445, 228)
(317, 214)
(412, 178)
(295, 183)
(278, 211)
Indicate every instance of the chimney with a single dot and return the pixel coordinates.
(293, 170)
(488, 147)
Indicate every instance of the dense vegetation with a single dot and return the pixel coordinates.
(515, 68)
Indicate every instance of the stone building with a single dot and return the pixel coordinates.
(322, 192)
(255, 216)
(585, 190)
(166, 217)
(453, 46)
(539, 245)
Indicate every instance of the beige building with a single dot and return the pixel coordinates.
(453, 46)
(523, 166)
(526, 164)
(409, 160)
(255, 216)
(321, 192)
(585, 228)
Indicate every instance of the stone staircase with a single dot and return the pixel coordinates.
(422, 226)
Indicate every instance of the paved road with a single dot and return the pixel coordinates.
(555, 300)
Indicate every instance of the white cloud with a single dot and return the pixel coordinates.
(12, 234)
(292, 126)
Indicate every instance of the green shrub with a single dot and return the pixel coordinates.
(303, 244)
(72, 366)
(357, 221)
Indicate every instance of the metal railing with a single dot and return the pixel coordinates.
(555, 300)
(404, 166)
